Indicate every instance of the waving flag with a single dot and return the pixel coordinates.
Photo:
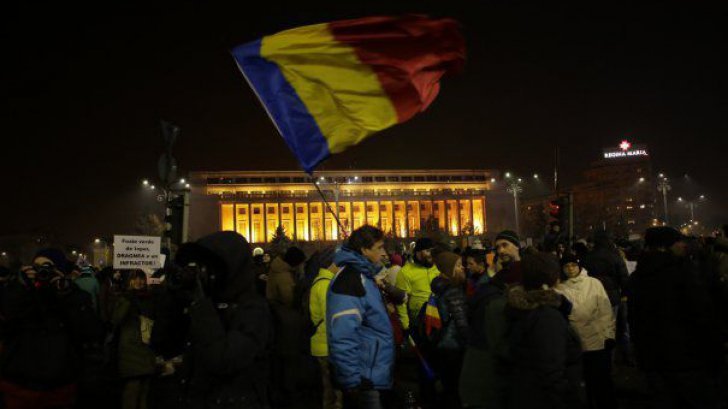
(329, 86)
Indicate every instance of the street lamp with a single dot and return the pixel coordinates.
(535, 175)
(97, 241)
(663, 186)
(514, 187)
(145, 182)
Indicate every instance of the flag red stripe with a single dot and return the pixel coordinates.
(409, 55)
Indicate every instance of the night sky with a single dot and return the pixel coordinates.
(84, 88)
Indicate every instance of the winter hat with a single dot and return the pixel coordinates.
(538, 270)
(258, 251)
(57, 257)
(662, 236)
(570, 258)
(396, 260)
(424, 243)
(509, 235)
(294, 257)
(445, 263)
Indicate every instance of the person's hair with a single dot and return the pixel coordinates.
(134, 275)
(478, 255)
(540, 269)
(364, 238)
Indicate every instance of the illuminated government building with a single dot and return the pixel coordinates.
(400, 202)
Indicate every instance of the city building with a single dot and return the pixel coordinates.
(618, 193)
(400, 202)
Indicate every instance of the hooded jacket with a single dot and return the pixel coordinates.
(452, 308)
(671, 317)
(281, 285)
(606, 265)
(361, 345)
(415, 280)
(591, 315)
(544, 351)
(225, 353)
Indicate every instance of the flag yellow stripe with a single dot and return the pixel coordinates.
(344, 96)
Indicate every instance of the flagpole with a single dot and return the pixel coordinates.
(328, 206)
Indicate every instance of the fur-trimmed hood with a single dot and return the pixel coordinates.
(521, 299)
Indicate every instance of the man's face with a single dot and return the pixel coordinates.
(507, 251)
(137, 283)
(556, 228)
(375, 253)
(266, 258)
(424, 256)
(474, 266)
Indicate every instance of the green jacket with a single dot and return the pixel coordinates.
(414, 280)
(317, 310)
(135, 356)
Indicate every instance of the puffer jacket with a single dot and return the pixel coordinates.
(415, 281)
(317, 311)
(451, 305)
(545, 352)
(361, 345)
(226, 334)
(591, 315)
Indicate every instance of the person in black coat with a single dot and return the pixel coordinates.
(49, 328)
(545, 352)
(605, 264)
(675, 332)
(224, 326)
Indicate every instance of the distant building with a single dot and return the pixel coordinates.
(619, 193)
(400, 202)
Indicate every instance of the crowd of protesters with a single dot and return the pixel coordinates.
(358, 326)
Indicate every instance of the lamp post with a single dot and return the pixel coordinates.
(663, 186)
(514, 187)
(691, 205)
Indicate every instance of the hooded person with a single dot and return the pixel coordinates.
(605, 264)
(415, 279)
(214, 326)
(49, 332)
(545, 352)
(360, 339)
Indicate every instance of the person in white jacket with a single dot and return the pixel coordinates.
(593, 320)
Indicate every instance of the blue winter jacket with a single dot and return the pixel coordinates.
(361, 343)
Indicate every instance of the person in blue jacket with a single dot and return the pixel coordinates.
(361, 343)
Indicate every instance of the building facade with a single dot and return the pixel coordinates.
(619, 193)
(399, 202)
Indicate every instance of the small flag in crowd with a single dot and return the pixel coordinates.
(432, 316)
(329, 86)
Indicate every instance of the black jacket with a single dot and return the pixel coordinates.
(605, 264)
(227, 333)
(47, 334)
(672, 320)
(545, 352)
(452, 307)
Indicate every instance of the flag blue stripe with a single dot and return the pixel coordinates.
(298, 128)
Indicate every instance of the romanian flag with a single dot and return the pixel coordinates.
(432, 316)
(329, 86)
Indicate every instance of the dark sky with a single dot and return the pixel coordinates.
(84, 88)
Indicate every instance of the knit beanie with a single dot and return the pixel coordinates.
(509, 235)
(569, 258)
(57, 257)
(445, 263)
(424, 243)
(396, 260)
